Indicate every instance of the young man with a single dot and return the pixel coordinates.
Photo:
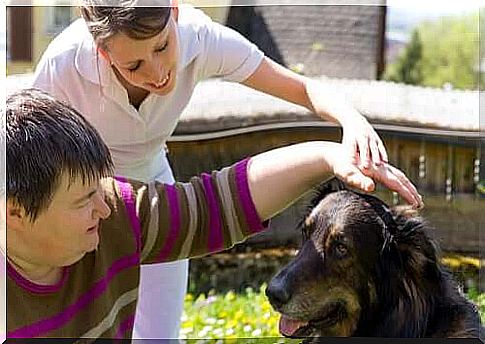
(77, 238)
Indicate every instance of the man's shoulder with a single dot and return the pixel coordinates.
(118, 190)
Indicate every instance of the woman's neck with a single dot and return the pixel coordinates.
(136, 95)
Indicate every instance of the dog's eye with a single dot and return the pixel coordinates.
(341, 250)
(307, 233)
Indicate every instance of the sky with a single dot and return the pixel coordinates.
(437, 6)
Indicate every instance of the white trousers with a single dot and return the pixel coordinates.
(162, 286)
(161, 300)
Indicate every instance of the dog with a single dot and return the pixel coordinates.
(367, 270)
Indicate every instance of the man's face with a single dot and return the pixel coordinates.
(68, 229)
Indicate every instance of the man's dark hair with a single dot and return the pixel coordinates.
(45, 139)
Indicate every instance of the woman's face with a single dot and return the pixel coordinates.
(150, 64)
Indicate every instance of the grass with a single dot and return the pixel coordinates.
(229, 316)
(245, 315)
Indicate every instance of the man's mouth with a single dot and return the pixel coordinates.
(92, 229)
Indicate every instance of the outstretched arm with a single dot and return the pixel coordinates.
(217, 210)
(278, 177)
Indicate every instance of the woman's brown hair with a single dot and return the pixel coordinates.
(138, 19)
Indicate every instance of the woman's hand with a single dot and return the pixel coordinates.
(362, 143)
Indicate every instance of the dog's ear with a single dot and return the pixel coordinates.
(329, 186)
(324, 189)
(316, 195)
(411, 241)
(408, 274)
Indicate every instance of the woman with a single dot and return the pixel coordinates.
(132, 70)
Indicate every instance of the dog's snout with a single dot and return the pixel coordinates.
(277, 293)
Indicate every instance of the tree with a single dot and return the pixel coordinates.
(408, 66)
(449, 54)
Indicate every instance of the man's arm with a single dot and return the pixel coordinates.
(217, 210)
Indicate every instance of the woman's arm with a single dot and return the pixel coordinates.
(359, 137)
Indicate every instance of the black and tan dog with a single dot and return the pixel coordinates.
(367, 270)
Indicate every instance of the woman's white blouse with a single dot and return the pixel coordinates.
(71, 71)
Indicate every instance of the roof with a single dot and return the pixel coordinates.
(332, 40)
(220, 106)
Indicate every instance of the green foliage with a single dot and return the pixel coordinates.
(479, 300)
(408, 68)
(440, 52)
(232, 316)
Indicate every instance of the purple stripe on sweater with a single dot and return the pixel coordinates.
(129, 200)
(24, 283)
(252, 216)
(174, 209)
(126, 325)
(42, 327)
(215, 228)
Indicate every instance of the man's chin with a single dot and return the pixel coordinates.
(74, 259)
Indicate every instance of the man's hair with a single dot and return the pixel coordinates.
(46, 139)
(138, 19)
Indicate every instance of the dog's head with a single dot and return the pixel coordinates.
(357, 252)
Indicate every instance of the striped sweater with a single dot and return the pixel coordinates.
(149, 223)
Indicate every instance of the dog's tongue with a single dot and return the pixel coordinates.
(289, 326)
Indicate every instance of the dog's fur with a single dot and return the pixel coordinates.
(367, 270)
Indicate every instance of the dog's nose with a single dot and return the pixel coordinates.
(278, 295)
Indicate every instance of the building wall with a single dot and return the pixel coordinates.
(455, 214)
(44, 30)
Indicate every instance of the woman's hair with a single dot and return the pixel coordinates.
(46, 139)
(138, 19)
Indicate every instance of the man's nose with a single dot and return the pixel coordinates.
(102, 208)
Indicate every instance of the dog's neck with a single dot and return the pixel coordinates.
(404, 307)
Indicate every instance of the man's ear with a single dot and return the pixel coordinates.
(16, 216)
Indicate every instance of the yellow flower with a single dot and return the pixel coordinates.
(230, 296)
